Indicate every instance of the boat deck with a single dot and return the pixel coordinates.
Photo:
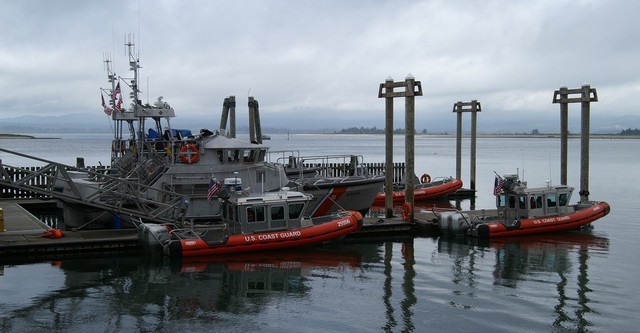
(22, 234)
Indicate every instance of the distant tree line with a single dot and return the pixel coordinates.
(630, 132)
(371, 130)
(375, 130)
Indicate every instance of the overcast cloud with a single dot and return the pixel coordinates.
(318, 59)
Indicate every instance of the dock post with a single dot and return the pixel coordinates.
(564, 135)
(585, 130)
(412, 88)
(474, 107)
(458, 142)
(409, 141)
(388, 136)
(80, 162)
(587, 95)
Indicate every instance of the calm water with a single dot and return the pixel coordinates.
(570, 282)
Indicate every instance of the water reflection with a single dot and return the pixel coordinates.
(393, 282)
(519, 259)
(156, 291)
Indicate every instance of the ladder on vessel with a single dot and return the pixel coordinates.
(131, 196)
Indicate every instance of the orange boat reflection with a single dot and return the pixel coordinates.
(282, 260)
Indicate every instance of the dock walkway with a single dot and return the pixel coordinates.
(23, 232)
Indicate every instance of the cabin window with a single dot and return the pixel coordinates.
(295, 210)
(522, 202)
(233, 155)
(551, 200)
(261, 156)
(249, 155)
(251, 215)
(277, 213)
(501, 201)
(536, 202)
(255, 214)
(512, 201)
(563, 199)
(220, 155)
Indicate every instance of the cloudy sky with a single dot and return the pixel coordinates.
(312, 60)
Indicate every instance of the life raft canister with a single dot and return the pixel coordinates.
(406, 212)
(189, 154)
(425, 178)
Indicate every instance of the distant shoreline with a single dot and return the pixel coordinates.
(466, 135)
(505, 136)
(20, 136)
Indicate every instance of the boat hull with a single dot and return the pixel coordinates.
(268, 241)
(544, 224)
(336, 194)
(423, 193)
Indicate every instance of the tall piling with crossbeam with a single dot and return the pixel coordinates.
(474, 107)
(562, 97)
(386, 90)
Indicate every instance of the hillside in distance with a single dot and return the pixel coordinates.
(97, 123)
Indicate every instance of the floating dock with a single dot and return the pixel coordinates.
(22, 234)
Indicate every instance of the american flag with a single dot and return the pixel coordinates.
(119, 104)
(214, 187)
(107, 109)
(115, 92)
(497, 185)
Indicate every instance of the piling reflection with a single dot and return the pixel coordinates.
(409, 298)
(518, 258)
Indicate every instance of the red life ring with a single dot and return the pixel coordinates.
(425, 178)
(406, 212)
(189, 154)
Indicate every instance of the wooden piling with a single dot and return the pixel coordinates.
(586, 96)
(388, 130)
(474, 107)
(412, 88)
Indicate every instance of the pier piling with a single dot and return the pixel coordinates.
(474, 107)
(563, 97)
(412, 88)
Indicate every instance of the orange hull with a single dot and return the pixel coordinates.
(269, 241)
(426, 193)
(546, 224)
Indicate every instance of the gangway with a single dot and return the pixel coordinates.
(132, 196)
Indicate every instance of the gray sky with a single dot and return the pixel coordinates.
(322, 59)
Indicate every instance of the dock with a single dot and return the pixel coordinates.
(22, 235)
